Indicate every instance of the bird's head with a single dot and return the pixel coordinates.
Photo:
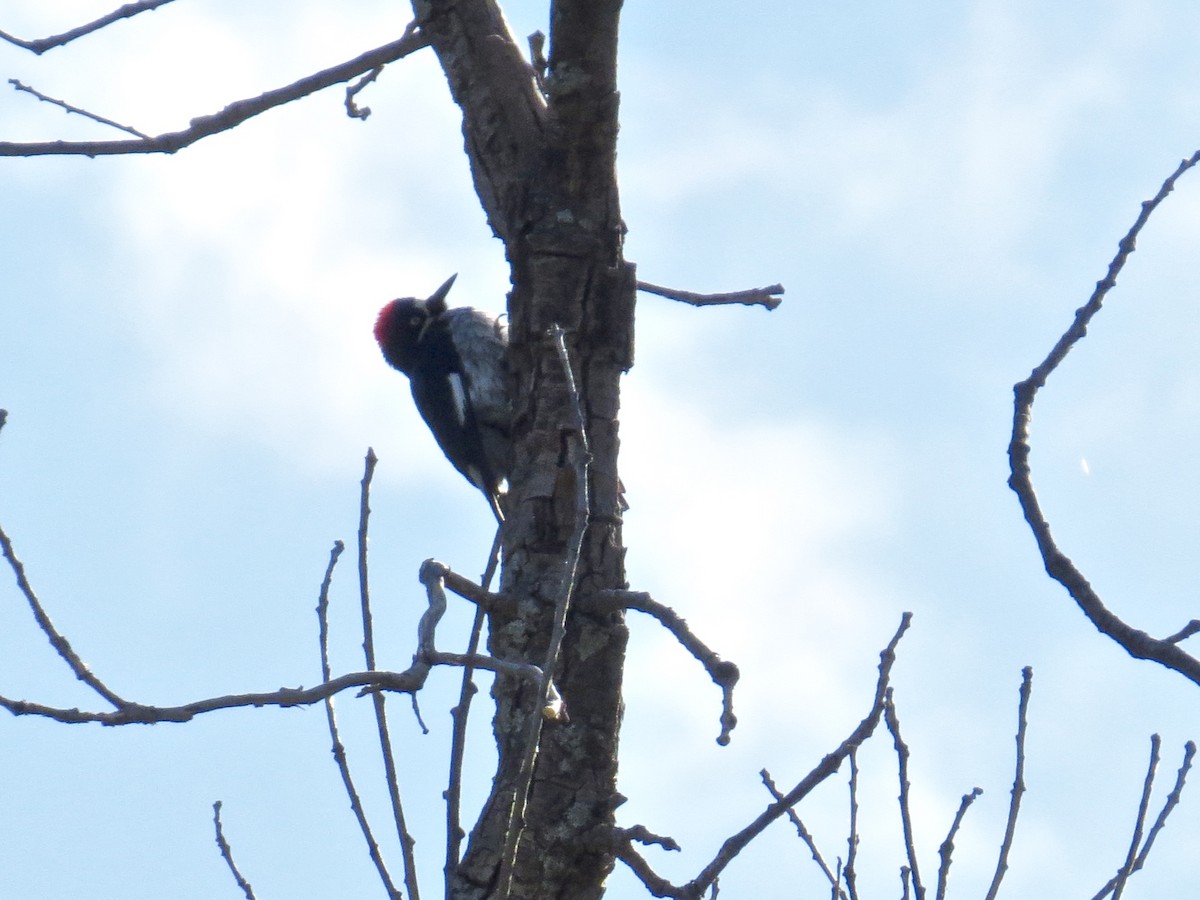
(402, 323)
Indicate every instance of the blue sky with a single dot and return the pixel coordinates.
(186, 357)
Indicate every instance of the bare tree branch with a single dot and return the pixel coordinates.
(946, 851)
(724, 674)
(850, 872)
(432, 576)
(409, 681)
(478, 593)
(1189, 754)
(893, 725)
(729, 850)
(41, 45)
(1139, 825)
(233, 114)
(75, 109)
(459, 714)
(1137, 643)
(1018, 787)
(378, 698)
(1183, 633)
(339, 749)
(61, 645)
(353, 110)
(644, 835)
(805, 836)
(1116, 883)
(503, 109)
(764, 296)
(227, 853)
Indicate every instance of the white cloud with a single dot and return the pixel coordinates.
(750, 526)
(262, 262)
(950, 174)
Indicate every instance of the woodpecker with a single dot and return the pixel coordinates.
(454, 360)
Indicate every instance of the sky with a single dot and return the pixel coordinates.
(187, 362)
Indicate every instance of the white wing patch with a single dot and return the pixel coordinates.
(458, 392)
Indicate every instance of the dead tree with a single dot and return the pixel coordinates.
(540, 135)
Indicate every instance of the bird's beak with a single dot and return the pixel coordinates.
(438, 297)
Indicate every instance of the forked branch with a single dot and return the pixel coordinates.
(806, 836)
(695, 889)
(232, 115)
(339, 749)
(1139, 849)
(128, 712)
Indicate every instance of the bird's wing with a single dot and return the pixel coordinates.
(481, 341)
(457, 433)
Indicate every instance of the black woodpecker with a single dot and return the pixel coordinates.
(454, 360)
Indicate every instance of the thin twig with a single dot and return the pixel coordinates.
(1137, 643)
(378, 698)
(1184, 633)
(804, 835)
(458, 717)
(724, 674)
(60, 644)
(339, 750)
(75, 109)
(41, 45)
(893, 724)
(644, 835)
(764, 296)
(580, 456)
(946, 851)
(227, 853)
(733, 845)
(233, 114)
(850, 872)
(1189, 753)
(353, 110)
(416, 708)
(1018, 787)
(1140, 824)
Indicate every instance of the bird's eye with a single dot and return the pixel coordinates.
(414, 321)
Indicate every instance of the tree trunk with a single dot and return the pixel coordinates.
(544, 168)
